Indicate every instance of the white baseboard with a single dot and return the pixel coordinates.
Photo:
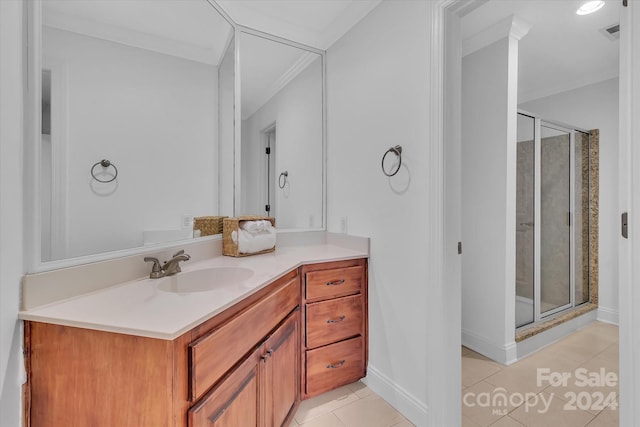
(608, 315)
(505, 354)
(407, 404)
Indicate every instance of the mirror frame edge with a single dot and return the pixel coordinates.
(32, 137)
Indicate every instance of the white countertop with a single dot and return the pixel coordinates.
(139, 308)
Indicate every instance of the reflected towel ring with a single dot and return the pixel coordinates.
(397, 150)
(282, 183)
(105, 164)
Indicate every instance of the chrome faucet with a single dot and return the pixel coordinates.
(169, 268)
(173, 265)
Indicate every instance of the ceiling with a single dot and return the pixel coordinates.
(562, 50)
(316, 23)
(188, 29)
(194, 30)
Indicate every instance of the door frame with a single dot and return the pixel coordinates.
(269, 195)
(443, 371)
(629, 201)
(59, 155)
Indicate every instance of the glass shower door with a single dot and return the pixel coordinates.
(555, 219)
(552, 219)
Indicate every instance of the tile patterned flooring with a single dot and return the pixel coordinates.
(587, 353)
(353, 405)
(587, 397)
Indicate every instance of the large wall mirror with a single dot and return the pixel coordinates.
(135, 83)
(183, 106)
(281, 165)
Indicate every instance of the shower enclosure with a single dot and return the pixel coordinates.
(552, 219)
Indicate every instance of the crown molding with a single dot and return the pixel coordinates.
(131, 38)
(298, 67)
(512, 27)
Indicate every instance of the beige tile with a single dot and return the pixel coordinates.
(583, 345)
(602, 327)
(523, 376)
(605, 333)
(326, 420)
(591, 386)
(324, 403)
(611, 354)
(476, 367)
(360, 389)
(371, 411)
(468, 422)
(538, 414)
(609, 417)
(550, 358)
(592, 348)
(465, 350)
(520, 378)
(506, 422)
(480, 406)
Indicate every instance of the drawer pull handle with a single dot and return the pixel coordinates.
(335, 282)
(336, 365)
(338, 320)
(269, 353)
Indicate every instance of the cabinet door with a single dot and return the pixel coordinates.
(235, 401)
(281, 369)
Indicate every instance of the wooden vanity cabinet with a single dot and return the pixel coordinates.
(240, 368)
(262, 391)
(335, 327)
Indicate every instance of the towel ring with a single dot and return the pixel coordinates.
(397, 150)
(282, 183)
(105, 164)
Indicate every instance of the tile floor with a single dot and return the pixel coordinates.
(590, 354)
(353, 405)
(533, 399)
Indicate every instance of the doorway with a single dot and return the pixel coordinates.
(452, 11)
(269, 137)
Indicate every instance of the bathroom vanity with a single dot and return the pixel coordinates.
(249, 363)
(334, 303)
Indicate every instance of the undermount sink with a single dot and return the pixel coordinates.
(206, 279)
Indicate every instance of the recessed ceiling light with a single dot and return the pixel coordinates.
(590, 7)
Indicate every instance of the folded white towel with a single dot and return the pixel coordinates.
(257, 226)
(249, 243)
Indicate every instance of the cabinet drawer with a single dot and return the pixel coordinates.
(214, 354)
(325, 284)
(334, 320)
(334, 365)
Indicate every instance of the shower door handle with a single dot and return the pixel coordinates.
(625, 225)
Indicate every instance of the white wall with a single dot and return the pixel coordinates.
(11, 238)
(488, 199)
(296, 110)
(377, 94)
(153, 116)
(596, 107)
